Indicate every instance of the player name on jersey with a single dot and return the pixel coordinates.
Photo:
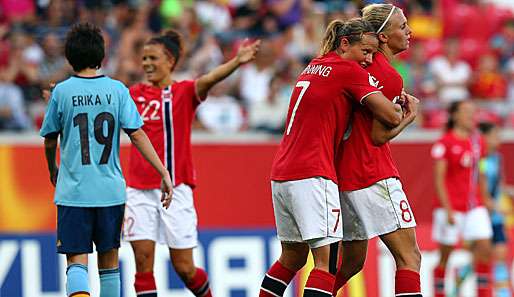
(90, 100)
(319, 69)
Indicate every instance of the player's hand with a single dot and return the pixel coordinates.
(53, 176)
(411, 106)
(247, 51)
(401, 99)
(167, 191)
(48, 92)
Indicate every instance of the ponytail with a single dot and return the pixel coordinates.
(332, 38)
(353, 30)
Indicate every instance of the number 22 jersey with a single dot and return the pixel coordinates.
(168, 115)
(88, 113)
(318, 116)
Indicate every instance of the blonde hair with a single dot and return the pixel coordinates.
(379, 15)
(353, 30)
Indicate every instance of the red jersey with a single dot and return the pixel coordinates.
(359, 163)
(167, 120)
(462, 158)
(318, 115)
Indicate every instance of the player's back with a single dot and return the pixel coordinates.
(89, 113)
(318, 116)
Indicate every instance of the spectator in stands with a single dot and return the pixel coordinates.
(214, 15)
(221, 113)
(288, 12)
(303, 38)
(488, 82)
(53, 67)
(19, 68)
(503, 42)
(270, 115)
(57, 17)
(451, 75)
(255, 78)
(12, 108)
(417, 78)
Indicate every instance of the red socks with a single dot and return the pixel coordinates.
(319, 284)
(145, 284)
(199, 285)
(484, 284)
(407, 283)
(276, 280)
(439, 273)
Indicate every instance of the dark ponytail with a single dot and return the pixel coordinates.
(172, 42)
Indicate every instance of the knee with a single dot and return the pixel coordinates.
(185, 269)
(483, 250)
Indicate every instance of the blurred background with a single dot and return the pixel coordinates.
(461, 50)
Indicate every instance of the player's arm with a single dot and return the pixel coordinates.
(245, 54)
(440, 168)
(381, 134)
(51, 157)
(386, 112)
(140, 140)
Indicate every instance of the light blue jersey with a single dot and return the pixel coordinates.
(490, 166)
(89, 113)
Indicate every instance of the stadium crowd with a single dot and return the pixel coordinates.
(461, 50)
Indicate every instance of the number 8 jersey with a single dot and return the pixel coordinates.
(318, 116)
(168, 115)
(88, 113)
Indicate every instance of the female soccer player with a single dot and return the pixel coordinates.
(167, 108)
(372, 198)
(491, 166)
(88, 110)
(304, 182)
(460, 210)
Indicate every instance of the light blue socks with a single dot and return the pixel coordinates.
(501, 279)
(76, 279)
(110, 282)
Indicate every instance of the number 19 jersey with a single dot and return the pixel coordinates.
(88, 113)
(318, 116)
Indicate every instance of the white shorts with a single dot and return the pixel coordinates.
(474, 224)
(307, 210)
(376, 210)
(147, 219)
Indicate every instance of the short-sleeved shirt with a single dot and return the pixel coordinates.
(359, 163)
(462, 156)
(88, 113)
(168, 115)
(318, 115)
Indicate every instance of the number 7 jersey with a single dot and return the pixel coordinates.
(88, 113)
(318, 115)
(168, 115)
